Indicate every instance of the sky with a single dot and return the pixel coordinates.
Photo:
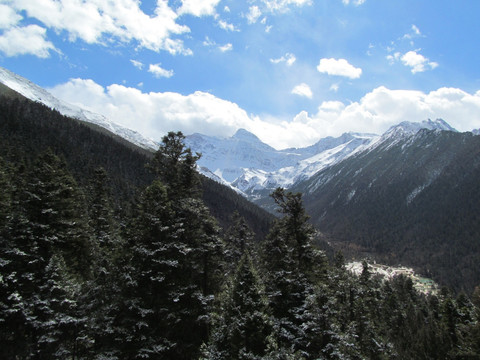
(290, 71)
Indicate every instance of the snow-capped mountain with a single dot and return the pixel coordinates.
(34, 92)
(254, 168)
(250, 165)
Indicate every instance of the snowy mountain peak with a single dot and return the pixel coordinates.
(408, 127)
(247, 136)
(35, 93)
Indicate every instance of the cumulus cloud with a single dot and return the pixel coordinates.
(29, 39)
(155, 113)
(340, 67)
(8, 17)
(417, 62)
(288, 58)
(415, 32)
(253, 14)
(226, 47)
(382, 108)
(159, 72)
(198, 7)
(303, 90)
(103, 22)
(226, 26)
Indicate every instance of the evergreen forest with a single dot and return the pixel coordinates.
(95, 267)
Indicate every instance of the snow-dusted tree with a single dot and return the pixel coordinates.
(48, 225)
(176, 262)
(103, 291)
(238, 242)
(56, 209)
(243, 327)
(175, 165)
(292, 267)
(143, 316)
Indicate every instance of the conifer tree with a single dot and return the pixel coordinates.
(149, 277)
(56, 208)
(243, 327)
(48, 226)
(102, 296)
(238, 242)
(175, 267)
(175, 165)
(292, 268)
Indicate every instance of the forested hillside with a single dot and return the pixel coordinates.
(27, 128)
(413, 200)
(141, 269)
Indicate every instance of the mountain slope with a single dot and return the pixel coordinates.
(34, 92)
(410, 198)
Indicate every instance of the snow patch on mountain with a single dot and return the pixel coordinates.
(35, 93)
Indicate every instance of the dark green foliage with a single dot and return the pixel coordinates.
(243, 327)
(292, 267)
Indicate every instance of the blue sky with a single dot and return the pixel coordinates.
(290, 71)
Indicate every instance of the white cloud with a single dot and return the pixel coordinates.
(159, 72)
(417, 62)
(334, 87)
(226, 26)
(103, 22)
(354, 2)
(30, 39)
(137, 64)
(415, 32)
(253, 14)
(340, 67)
(303, 90)
(198, 7)
(382, 108)
(8, 17)
(284, 5)
(154, 114)
(208, 42)
(288, 58)
(226, 47)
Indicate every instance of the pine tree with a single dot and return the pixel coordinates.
(243, 327)
(102, 296)
(47, 225)
(175, 166)
(142, 321)
(292, 269)
(238, 242)
(175, 268)
(56, 208)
